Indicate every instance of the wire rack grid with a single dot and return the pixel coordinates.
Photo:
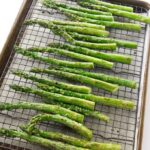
(122, 127)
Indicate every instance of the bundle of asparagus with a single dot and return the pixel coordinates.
(85, 18)
(57, 97)
(65, 87)
(54, 61)
(80, 78)
(105, 56)
(96, 61)
(96, 4)
(62, 31)
(74, 141)
(118, 103)
(113, 24)
(103, 77)
(68, 143)
(58, 84)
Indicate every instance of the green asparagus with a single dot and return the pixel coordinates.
(54, 61)
(109, 5)
(51, 3)
(113, 102)
(80, 24)
(101, 46)
(75, 141)
(120, 43)
(106, 56)
(50, 144)
(85, 30)
(58, 84)
(86, 112)
(57, 97)
(114, 24)
(82, 57)
(82, 14)
(117, 12)
(79, 128)
(103, 77)
(55, 29)
(44, 108)
(80, 78)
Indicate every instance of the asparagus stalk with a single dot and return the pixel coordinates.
(53, 60)
(117, 12)
(106, 56)
(114, 24)
(80, 78)
(109, 5)
(75, 141)
(49, 4)
(38, 140)
(77, 127)
(82, 57)
(54, 109)
(118, 103)
(55, 29)
(82, 14)
(103, 46)
(80, 24)
(57, 97)
(86, 112)
(120, 43)
(58, 84)
(85, 30)
(103, 77)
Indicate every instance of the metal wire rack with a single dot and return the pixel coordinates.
(123, 125)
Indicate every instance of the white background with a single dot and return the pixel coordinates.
(8, 12)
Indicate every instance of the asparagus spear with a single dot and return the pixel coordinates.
(120, 43)
(58, 84)
(96, 61)
(57, 97)
(75, 141)
(85, 30)
(55, 29)
(80, 78)
(82, 14)
(118, 103)
(114, 24)
(80, 24)
(86, 112)
(50, 144)
(49, 4)
(79, 128)
(117, 12)
(44, 108)
(103, 77)
(109, 5)
(103, 46)
(106, 56)
(53, 60)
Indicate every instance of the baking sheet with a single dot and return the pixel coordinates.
(123, 125)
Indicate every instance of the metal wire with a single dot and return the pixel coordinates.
(122, 126)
